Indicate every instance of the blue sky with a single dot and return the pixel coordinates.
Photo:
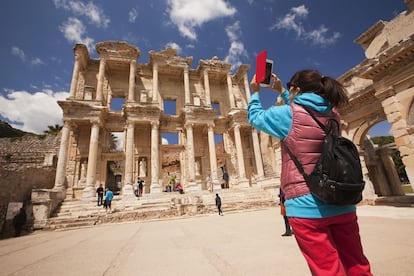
(36, 57)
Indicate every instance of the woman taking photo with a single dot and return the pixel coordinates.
(327, 235)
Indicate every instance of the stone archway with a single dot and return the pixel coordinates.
(381, 88)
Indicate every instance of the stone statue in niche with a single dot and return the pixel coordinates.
(142, 168)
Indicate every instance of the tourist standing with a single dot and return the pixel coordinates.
(288, 230)
(140, 186)
(225, 180)
(100, 192)
(327, 235)
(218, 204)
(18, 221)
(109, 195)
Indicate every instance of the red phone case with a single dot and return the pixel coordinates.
(261, 66)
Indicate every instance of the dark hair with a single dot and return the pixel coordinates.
(310, 80)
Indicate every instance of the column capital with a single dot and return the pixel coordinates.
(237, 125)
(155, 124)
(95, 122)
(130, 123)
(188, 126)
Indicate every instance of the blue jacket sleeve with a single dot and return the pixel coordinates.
(276, 121)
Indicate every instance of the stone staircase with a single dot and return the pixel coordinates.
(74, 213)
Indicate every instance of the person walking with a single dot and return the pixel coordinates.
(100, 192)
(218, 204)
(327, 235)
(288, 230)
(109, 195)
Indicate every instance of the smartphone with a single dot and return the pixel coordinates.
(264, 68)
(268, 74)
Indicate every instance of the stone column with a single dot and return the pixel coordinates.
(60, 178)
(131, 87)
(75, 76)
(243, 183)
(213, 158)
(392, 175)
(101, 75)
(393, 110)
(89, 190)
(155, 82)
(207, 87)
(230, 91)
(186, 86)
(368, 194)
(127, 190)
(247, 87)
(190, 154)
(257, 154)
(155, 185)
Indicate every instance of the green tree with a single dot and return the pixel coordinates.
(113, 142)
(53, 130)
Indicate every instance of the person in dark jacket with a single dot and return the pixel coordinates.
(288, 230)
(327, 235)
(100, 192)
(18, 221)
(218, 204)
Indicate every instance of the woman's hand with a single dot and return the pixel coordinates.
(276, 84)
(254, 85)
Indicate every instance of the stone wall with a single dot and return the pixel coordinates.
(25, 163)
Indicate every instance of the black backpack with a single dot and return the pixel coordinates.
(337, 177)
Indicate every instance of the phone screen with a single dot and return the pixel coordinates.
(269, 68)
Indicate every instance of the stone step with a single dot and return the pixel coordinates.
(75, 213)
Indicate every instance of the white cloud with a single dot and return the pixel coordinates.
(164, 141)
(94, 13)
(174, 46)
(16, 51)
(293, 21)
(132, 15)
(32, 112)
(237, 49)
(189, 14)
(75, 32)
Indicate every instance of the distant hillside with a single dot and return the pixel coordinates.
(7, 130)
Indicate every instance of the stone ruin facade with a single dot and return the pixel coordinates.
(381, 88)
(209, 101)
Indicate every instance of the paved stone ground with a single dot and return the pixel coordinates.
(247, 243)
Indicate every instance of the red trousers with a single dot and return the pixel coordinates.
(331, 246)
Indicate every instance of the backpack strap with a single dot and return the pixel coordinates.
(296, 161)
(293, 157)
(327, 128)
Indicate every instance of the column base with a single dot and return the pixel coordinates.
(243, 184)
(128, 192)
(88, 193)
(155, 188)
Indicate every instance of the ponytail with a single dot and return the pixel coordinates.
(312, 81)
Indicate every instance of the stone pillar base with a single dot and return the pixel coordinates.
(44, 202)
(128, 192)
(155, 188)
(88, 193)
(216, 186)
(243, 184)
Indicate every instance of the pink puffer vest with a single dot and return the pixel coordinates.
(305, 142)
